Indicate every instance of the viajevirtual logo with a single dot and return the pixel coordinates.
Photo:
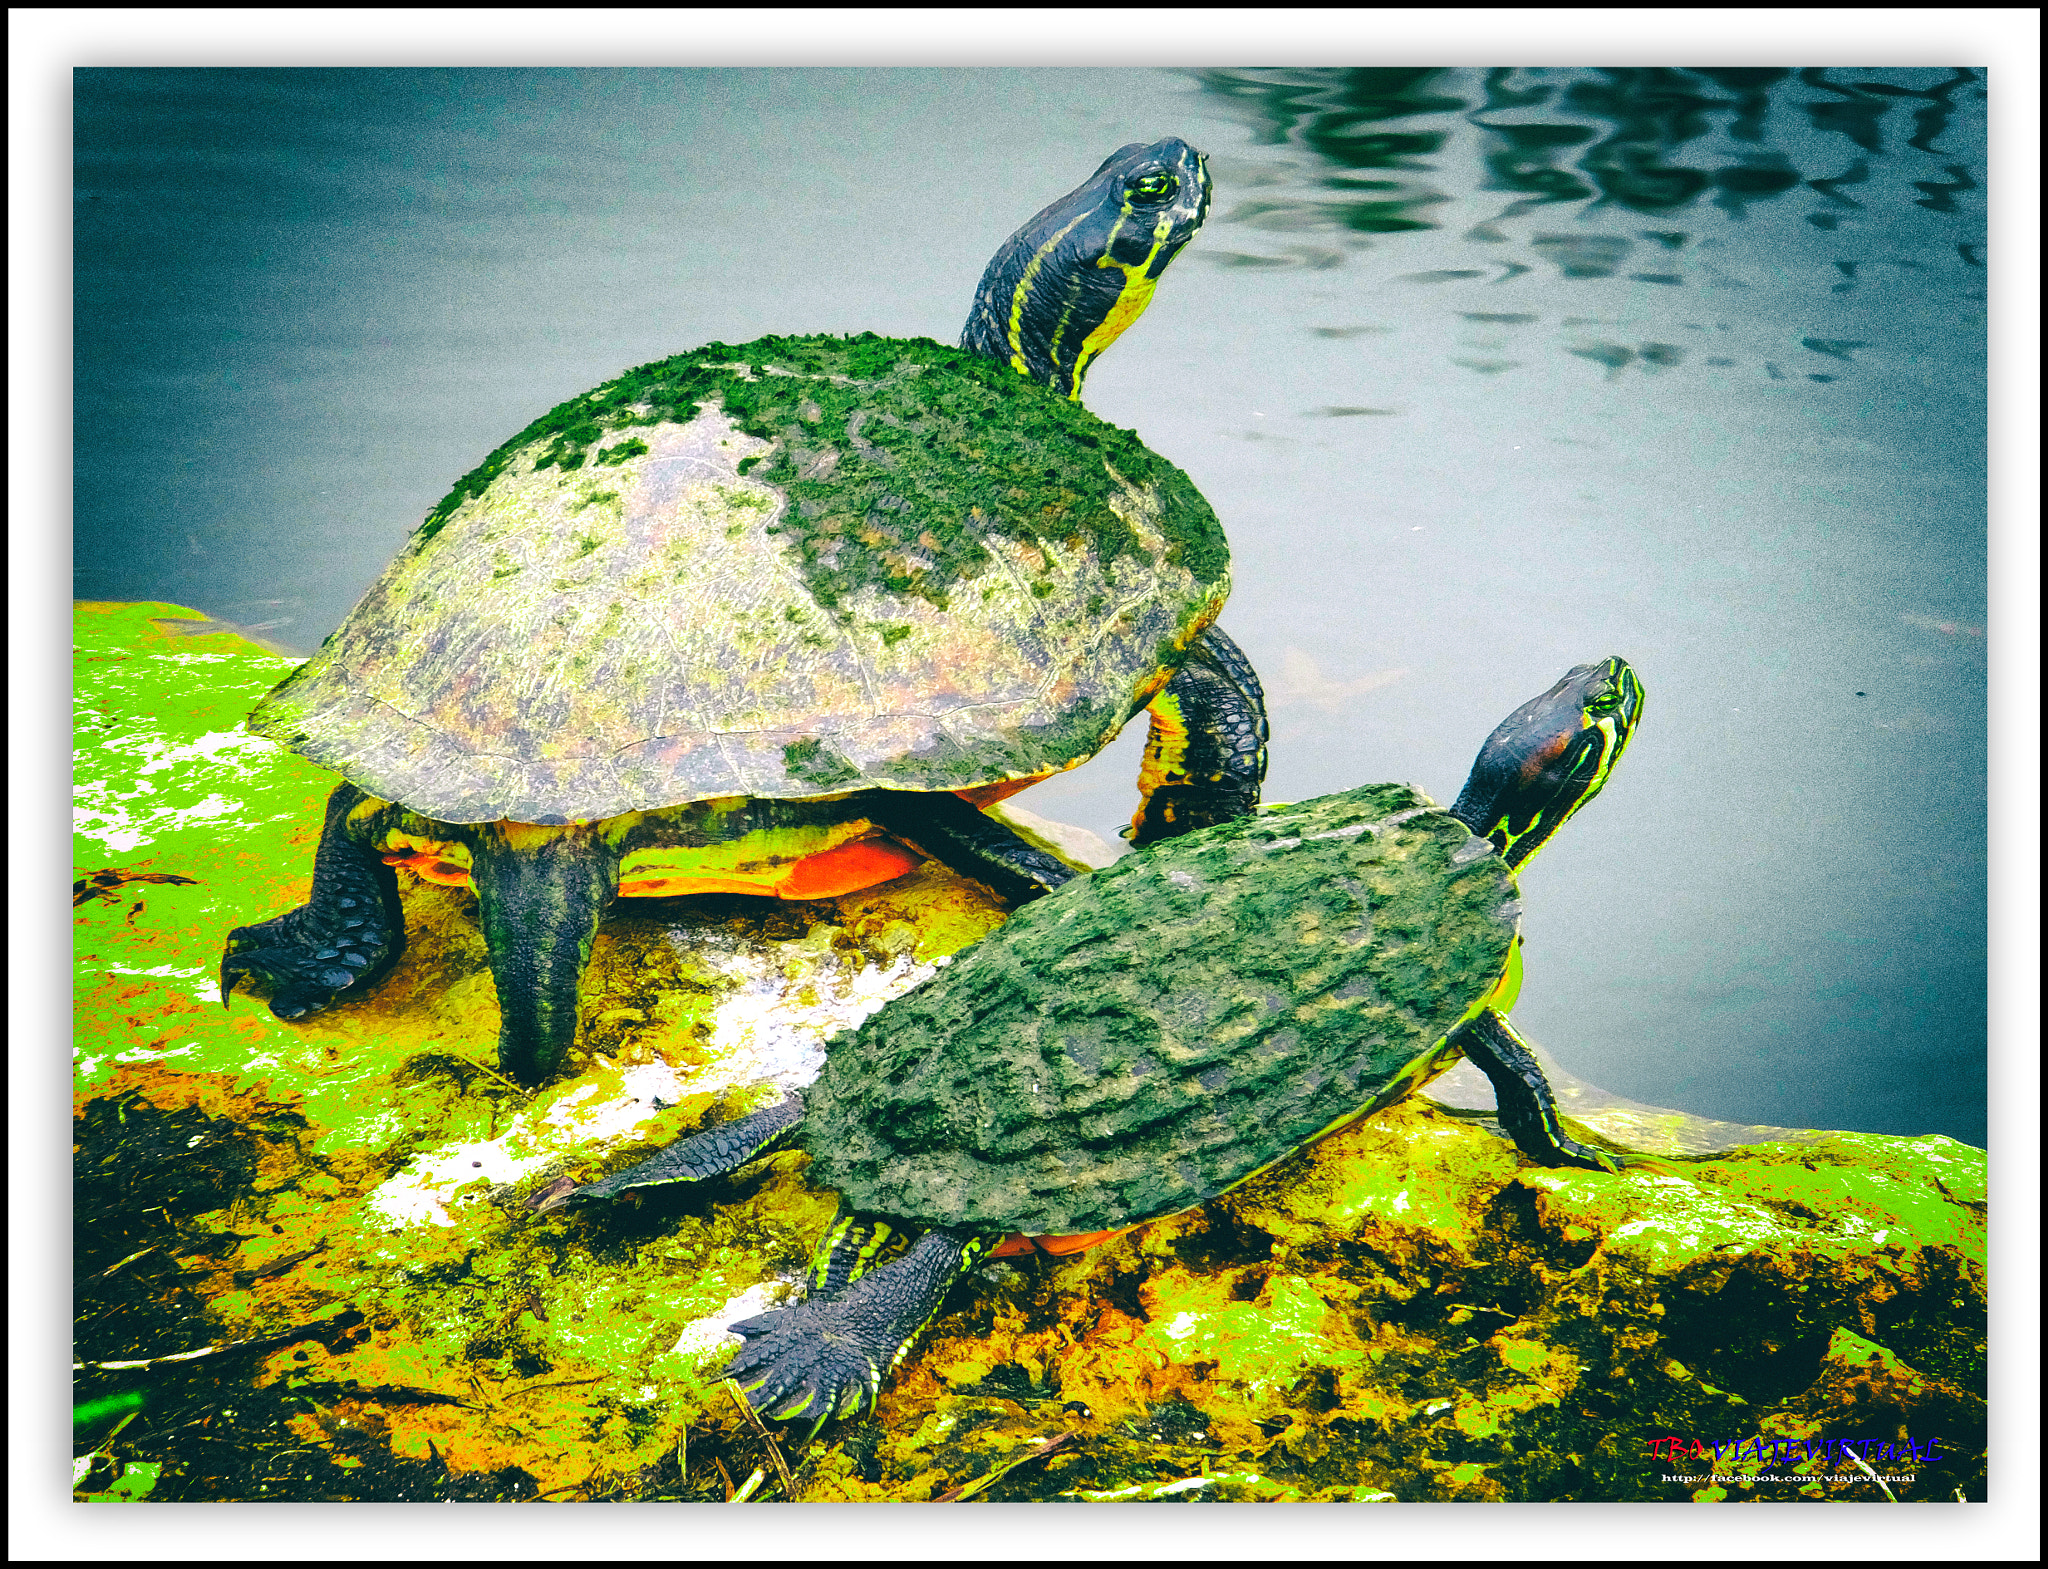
(1812, 1464)
(1797, 1453)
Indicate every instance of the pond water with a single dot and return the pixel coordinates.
(1487, 373)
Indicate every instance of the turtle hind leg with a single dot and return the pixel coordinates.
(347, 935)
(1205, 755)
(540, 892)
(823, 1359)
(960, 835)
(712, 1153)
(1527, 1108)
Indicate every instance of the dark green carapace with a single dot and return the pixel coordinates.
(1146, 1043)
(876, 454)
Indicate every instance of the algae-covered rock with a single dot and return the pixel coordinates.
(346, 1216)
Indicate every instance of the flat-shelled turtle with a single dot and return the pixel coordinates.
(1153, 1034)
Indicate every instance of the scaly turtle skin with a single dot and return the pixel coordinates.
(1155, 1033)
(776, 618)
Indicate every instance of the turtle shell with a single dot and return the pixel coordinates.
(788, 568)
(1156, 1032)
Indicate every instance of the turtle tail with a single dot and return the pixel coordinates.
(541, 892)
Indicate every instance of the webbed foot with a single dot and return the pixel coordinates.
(309, 960)
(827, 1358)
(1527, 1109)
(811, 1360)
(347, 936)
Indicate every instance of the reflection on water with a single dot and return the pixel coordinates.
(1870, 168)
(1487, 372)
(1652, 140)
(1699, 148)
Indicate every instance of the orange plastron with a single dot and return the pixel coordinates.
(845, 868)
(859, 863)
(429, 866)
(1079, 1242)
(848, 857)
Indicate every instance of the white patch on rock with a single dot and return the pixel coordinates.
(152, 1054)
(1186, 1484)
(203, 774)
(237, 750)
(202, 986)
(704, 1336)
(772, 1029)
(578, 1122)
(97, 815)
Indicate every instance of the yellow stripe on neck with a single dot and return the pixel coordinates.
(1131, 301)
(1022, 293)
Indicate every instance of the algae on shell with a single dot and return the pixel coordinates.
(656, 595)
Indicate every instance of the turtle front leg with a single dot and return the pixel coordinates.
(1205, 757)
(541, 893)
(1527, 1108)
(827, 1358)
(855, 1245)
(347, 935)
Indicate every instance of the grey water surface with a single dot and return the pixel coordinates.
(1487, 373)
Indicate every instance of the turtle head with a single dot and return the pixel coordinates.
(1060, 290)
(1550, 757)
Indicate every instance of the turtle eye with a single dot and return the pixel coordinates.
(1605, 703)
(1152, 189)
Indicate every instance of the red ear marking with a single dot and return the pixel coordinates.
(1540, 760)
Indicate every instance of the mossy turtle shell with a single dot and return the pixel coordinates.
(1154, 1033)
(787, 568)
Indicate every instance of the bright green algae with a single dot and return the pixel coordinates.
(350, 1184)
(1405, 1310)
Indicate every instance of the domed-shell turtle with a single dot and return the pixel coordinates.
(776, 618)
(1155, 1033)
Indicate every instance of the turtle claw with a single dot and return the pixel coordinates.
(826, 1358)
(799, 1362)
(1587, 1158)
